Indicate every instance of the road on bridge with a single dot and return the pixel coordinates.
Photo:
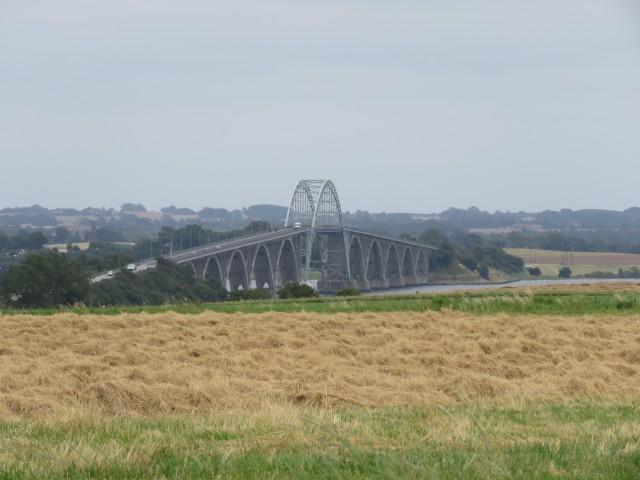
(200, 251)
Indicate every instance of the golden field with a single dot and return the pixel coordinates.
(152, 365)
(556, 257)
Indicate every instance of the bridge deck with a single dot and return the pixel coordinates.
(223, 246)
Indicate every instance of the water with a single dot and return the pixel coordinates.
(481, 286)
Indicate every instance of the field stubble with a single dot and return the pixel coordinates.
(142, 365)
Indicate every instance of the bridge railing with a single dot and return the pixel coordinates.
(329, 228)
(169, 249)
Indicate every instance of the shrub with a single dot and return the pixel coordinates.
(348, 292)
(251, 294)
(297, 290)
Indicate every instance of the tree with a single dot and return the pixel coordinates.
(483, 271)
(35, 241)
(132, 207)
(62, 234)
(42, 281)
(256, 226)
(564, 272)
(103, 234)
(167, 283)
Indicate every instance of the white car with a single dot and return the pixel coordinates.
(131, 267)
(110, 273)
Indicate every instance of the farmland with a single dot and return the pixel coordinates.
(549, 261)
(506, 391)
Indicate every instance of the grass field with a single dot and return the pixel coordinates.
(500, 385)
(585, 440)
(580, 263)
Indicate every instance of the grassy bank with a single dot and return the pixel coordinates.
(584, 440)
(618, 298)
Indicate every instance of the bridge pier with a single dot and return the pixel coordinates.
(379, 284)
(328, 286)
(334, 263)
(396, 282)
(411, 280)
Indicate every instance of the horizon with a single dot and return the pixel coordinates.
(351, 212)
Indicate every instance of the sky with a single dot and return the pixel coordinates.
(406, 105)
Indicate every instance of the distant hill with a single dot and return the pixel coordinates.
(133, 221)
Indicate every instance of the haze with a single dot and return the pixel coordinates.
(408, 106)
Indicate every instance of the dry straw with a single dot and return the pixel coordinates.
(143, 365)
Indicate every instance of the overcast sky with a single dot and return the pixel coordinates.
(407, 105)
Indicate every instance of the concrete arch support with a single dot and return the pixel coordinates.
(408, 268)
(262, 269)
(375, 267)
(287, 265)
(393, 267)
(212, 270)
(356, 264)
(422, 267)
(237, 275)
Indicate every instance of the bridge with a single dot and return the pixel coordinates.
(345, 257)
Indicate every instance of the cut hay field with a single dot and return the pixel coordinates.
(580, 263)
(152, 365)
(556, 257)
(431, 394)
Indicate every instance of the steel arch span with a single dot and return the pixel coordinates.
(315, 204)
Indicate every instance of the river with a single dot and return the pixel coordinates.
(482, 286)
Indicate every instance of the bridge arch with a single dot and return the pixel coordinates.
(375, 270)
(408, 265)
(193, 268)
(261, 269)
(315, 203)
(287, 264)
(392, 268)
(356, 260)
(212, 269)
(237, 274)
(422, 267)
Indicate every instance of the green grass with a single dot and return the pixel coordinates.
(472, 442)
(485, 302)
